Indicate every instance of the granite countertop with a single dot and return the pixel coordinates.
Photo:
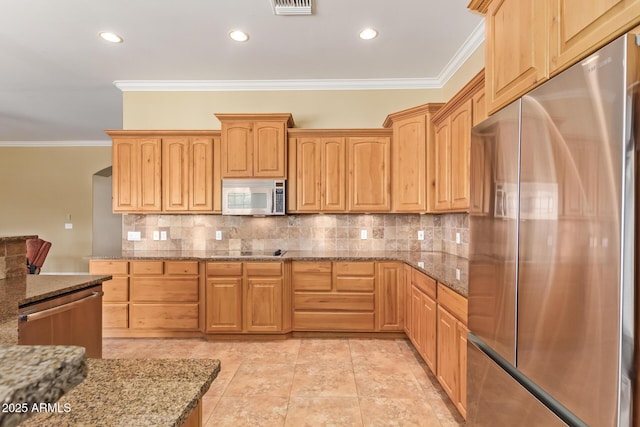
(33, 375)
(439, 265)
(134, 392)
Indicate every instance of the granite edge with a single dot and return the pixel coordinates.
(57, 292)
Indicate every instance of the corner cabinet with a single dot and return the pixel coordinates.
(137, 174)
(254, 145)
(412, 158)
(452, 147)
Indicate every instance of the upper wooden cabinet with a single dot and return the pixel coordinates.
(187, 174)
(321, 174)
(369, 160)
(578, 28)
(452, 147)
(527, 41)
(166, 171)
(515, 49)
(412, 163)
(136, 174)
(339, 170)
(254, 145)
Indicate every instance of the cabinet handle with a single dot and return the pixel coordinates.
(58, 309)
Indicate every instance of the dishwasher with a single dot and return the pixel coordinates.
(74, 318)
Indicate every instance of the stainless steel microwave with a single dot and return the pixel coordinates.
(253, 197)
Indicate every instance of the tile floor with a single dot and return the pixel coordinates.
(308, 381)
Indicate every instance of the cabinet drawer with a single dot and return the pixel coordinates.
(181, 268)
(423, 282)
(152, 289)
(109, 267)
(354, 268)
(116, 290)
(147, 267)
(311, 267)
(455, 303)
(224, 269)
(115, 316)
(263, 268)
(334, 302)
(304, 321)
(164, 316)
(355, 284)
(311, 281)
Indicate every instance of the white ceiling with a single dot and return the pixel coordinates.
(57, 76)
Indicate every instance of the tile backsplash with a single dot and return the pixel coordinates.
(300, 232)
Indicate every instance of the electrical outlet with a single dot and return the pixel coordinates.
(457, 274)
(68, 226)
(421, 264)
(458, 238)
(218, 235)
(363, 234)
(163, 235)
(133, 236)
(420, 234)
(156, 235)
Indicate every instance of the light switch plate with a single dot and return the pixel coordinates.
(421, 264)
(218, 235)
(457, 274)
(68, 226)
(420, 234)
(156, 235)
(163, 235)
(363, 234)
(458, 238)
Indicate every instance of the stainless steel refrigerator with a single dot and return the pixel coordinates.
(551, 265)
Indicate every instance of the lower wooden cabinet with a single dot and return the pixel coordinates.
(245, 297)
(333, 296)
(423, 316)
(389, 296)
(153, 297)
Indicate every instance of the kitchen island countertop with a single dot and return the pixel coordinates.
(134, 392)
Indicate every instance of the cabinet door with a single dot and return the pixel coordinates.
(390, 296)
(479, 108)
(269, 159)
(447, 365)
(201, 174)
(149, 178)
(175, 174)
(579, 27)
(263, 308)
(428, 313)
(516, 49)
(460, 150)
(461, 401)
(409, 165)
(308, 163)
(224, 304)
(237, 149)
(417, 320)
(125, 181)
(407, 300)
(369, 173)
(333, 176)
(443, 166)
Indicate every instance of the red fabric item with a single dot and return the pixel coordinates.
(37, 250)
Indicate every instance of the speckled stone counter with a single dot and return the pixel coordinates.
(439, 265)
(134, 392)
(35, 375)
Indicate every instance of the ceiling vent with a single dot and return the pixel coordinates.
(291, 7)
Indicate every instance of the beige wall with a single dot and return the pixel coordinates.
(466, 72)
(310, 109)
(41, 186)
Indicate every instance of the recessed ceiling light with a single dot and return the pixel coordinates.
(368, 34)
(110, 37)
(239, 36)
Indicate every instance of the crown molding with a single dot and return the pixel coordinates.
(26, 144)
(470, 45)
